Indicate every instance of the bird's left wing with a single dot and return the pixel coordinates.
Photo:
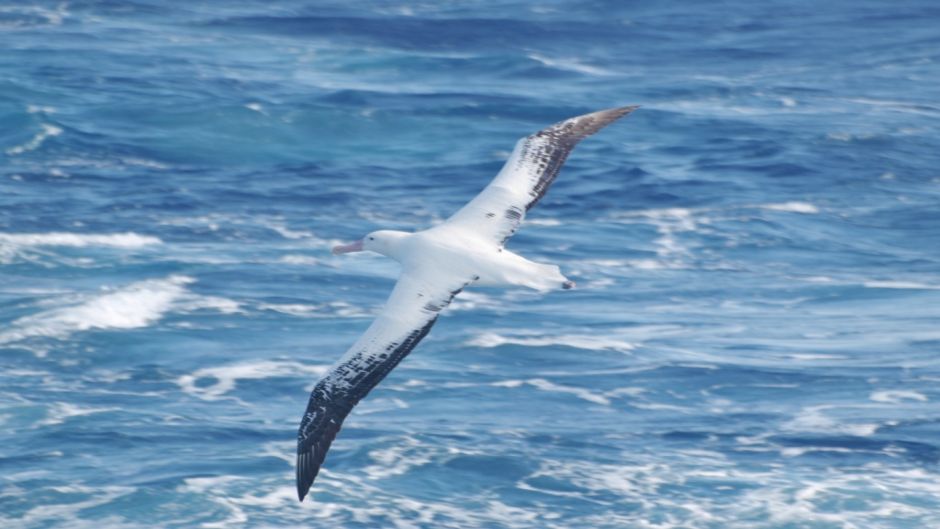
(407, 317)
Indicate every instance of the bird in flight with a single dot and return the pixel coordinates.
(436, 264)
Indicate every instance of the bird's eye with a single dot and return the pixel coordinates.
(371, 238)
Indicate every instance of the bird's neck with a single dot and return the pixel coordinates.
(395, 243)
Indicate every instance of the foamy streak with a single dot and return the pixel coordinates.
(898, 395)
(78, 240)
(47, 131)
(812, 419)
(671, 222)
(792, 207)
(400, 458)
(545, 385)
(903, 285)
(133, 306)
(686, 215)
(577, 341)
(570, 65)
(60, 411)
(662, 493)
(53, 17)
(227, 376)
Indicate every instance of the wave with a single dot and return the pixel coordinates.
(59, 412)
(570, 65)
(897, 396)
(17, 246)
(48, 131)
(576, 341)
(813, 419)
(901, 285)
(545, 385)
(226, 377)
(78, 240)
(792, 207)
(27, 16)
(134, 306)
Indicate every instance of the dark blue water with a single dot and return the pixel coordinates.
(754, 343)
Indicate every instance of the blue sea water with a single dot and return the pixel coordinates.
(754, 343)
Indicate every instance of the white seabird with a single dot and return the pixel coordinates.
(437, 264)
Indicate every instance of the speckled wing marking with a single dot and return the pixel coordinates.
(527, 175)
(408, 315)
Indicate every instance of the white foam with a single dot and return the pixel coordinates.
(288, 233)
(48, 131)
(813, 419)
(256, 107)
(569, 64)
(40, 109)
(60, 411)
(793, 207)
(669, 222)
(651, 264)
(901, 285)
(346, 310)
(67, 511)
(141, 162)
(399, 458)
(53, 17)
(897, 396)
(577, 341)
(792, 451)
(293, 309)
(470, 300)
(78, 240)
(190, 303)
(137, 305)
(206, 484)
(660, 492)
(542, 222)
(16, 246)
(899, 106)
(300, 260)
(545, 385)
(809, 357)
(227, 376)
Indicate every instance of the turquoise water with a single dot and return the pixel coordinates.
(754, 338)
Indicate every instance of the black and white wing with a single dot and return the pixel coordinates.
(407, 317)
(530, 170)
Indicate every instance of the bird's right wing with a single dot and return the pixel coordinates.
(533, 165)
(407, 317)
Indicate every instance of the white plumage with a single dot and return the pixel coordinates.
(437, 264)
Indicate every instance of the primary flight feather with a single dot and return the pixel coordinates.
(437, 264)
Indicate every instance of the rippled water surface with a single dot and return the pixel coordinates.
(754, 343)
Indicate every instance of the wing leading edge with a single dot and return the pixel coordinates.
(406, 319)
(525, 178)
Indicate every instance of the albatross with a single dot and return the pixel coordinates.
(436, 264)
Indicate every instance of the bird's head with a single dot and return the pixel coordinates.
(385, 242)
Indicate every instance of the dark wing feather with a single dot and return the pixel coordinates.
(407, 318)
(532, 167)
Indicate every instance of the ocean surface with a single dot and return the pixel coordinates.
(754, 342)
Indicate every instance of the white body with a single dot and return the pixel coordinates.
(448, 250)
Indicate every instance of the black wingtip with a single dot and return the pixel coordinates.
(307, 469)
(573, 130)
(302, 486)
(612, 114)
